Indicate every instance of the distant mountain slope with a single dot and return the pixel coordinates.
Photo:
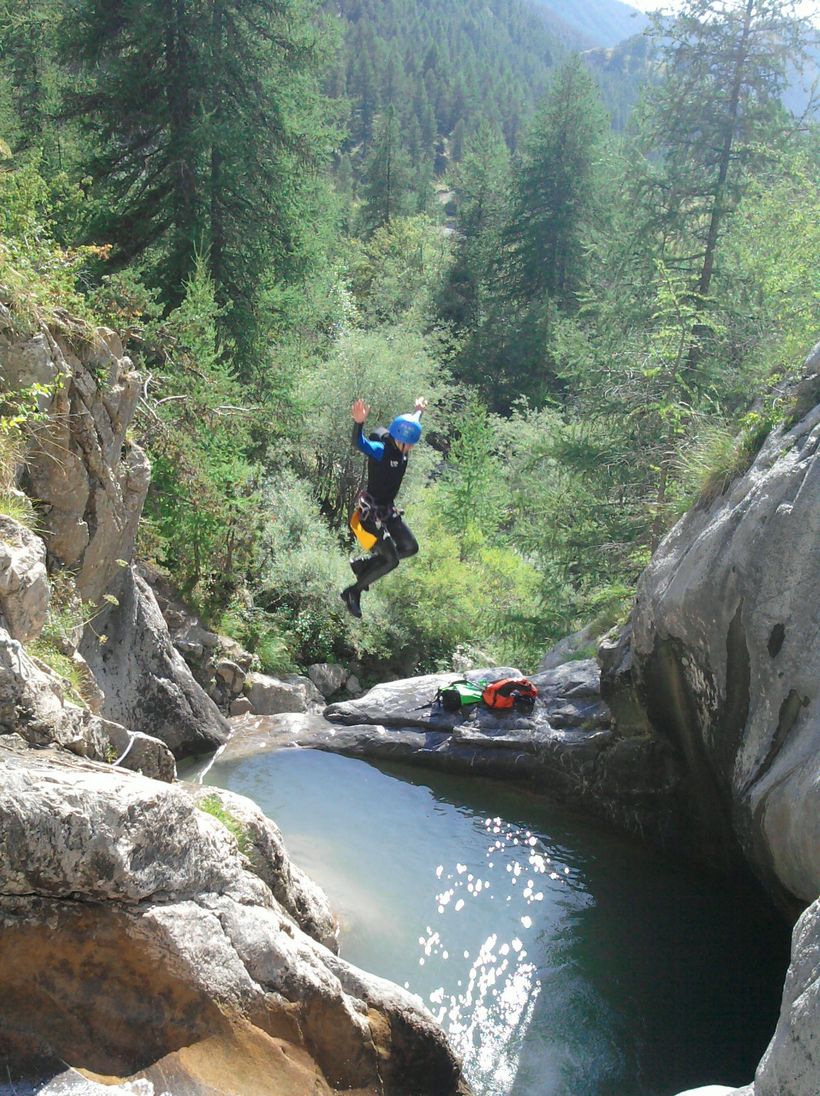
(443, 64)
(623, 69)
(597, 22)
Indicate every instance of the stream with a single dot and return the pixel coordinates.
(560, 958)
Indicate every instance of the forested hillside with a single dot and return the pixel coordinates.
(443, 68)
(602, 325)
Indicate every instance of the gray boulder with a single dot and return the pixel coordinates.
(33, 707)
(571, 695)
(139, 753)
(240, 706)
(409, 701)
(289, 693)
(267, 857)
(353, 686)
(328, 677)
(147, 685)
(791, 1064)
(137, 939)
(231, 674)
(24, 589)
(569, 647)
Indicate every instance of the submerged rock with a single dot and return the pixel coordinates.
(138, 941)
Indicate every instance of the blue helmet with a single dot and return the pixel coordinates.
(405, 428)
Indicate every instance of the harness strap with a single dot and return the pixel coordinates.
(370, 510)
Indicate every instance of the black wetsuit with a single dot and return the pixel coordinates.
(386, 465)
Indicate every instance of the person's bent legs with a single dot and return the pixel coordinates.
(396, 542)
(406, 543)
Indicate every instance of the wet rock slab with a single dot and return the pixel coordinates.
(566, 747)
(525, 750)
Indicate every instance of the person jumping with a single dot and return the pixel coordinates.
(387, 451)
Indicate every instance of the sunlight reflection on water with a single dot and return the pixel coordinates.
(547, 953)
(488, 1011)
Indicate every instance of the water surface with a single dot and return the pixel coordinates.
(562, 960)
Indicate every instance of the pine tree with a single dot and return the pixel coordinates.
(718, 108)
(388, 178)
(481, 185)
(28, 64)
(555, 192)
(206, 122)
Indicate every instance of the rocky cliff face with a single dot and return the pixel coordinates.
(136, 938)
(89, 482)
(724, 660)
(722, 664)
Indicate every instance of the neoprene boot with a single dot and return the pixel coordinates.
(350, 597)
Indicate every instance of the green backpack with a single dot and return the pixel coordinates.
(459, 695)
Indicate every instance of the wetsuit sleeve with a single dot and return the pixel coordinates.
(372, 449)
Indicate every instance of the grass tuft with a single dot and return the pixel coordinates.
(212, 805)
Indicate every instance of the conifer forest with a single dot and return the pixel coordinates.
(599, 267)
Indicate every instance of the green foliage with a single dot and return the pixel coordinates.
(444, 69)
(388, 368)
(213, 805)
(299, 572)
(768, 277)
(472, 493)
(20, 413)
(440, 600)
(554, 192)
(60, 635)
(78, 680)
(718, 455)
(709, 463)
(257, 631)
(40, 277)
(202, 499)
(205, 127)
(716, 114)
(481, 184)
(387, 176)
(397, 272)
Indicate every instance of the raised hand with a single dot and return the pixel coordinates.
(360, 411)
